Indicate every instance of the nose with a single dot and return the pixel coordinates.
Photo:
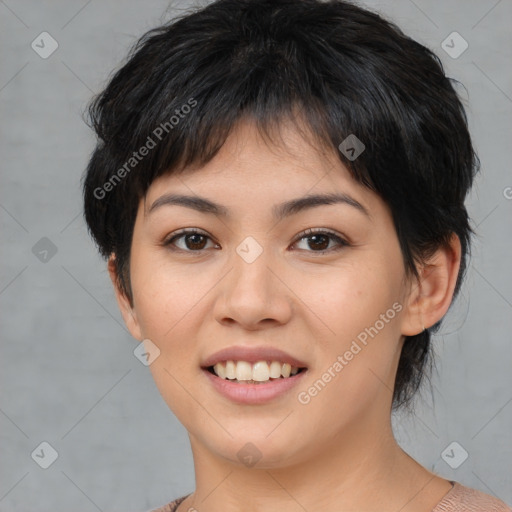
(254, 295)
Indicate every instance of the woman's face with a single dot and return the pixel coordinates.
(333, 302)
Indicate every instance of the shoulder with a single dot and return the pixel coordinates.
(458, 499)
(466, 499)
(170, 507)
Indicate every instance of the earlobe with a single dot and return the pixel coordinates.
(430, 298)
(127, 310)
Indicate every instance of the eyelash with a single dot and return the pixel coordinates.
(168, 242)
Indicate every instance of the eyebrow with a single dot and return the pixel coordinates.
(279, 211)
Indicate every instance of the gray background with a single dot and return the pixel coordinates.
(68, 373)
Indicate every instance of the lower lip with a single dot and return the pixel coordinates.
(253, 394)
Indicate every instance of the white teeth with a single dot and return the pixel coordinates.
(230, 370)
(257, 372)
(275, 369)
(260, 371)
(243, 370)
(221, 370)
(286, 370)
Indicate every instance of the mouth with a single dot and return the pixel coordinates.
(260, 372)
(252, 384)
(253, 375)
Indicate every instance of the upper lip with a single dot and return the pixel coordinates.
(251, 355)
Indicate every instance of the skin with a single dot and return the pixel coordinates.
(338, 451)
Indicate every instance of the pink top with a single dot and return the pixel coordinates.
(458, 499)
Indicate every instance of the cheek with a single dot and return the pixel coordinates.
(361, 306)
(167, 301)
(165, 294)
(353, 298)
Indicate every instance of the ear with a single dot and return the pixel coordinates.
(430, 298)
(127, 310)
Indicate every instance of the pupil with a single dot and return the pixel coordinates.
(316, 237)
(194, 243)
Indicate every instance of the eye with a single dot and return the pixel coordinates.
(319, 240)
(192, 240)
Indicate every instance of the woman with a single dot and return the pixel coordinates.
(279, 189)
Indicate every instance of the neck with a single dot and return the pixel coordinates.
(359, 469)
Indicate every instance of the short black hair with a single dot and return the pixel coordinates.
(340, 69)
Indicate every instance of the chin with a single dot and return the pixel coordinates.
(258, 451)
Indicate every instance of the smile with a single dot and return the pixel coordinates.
(241, 386)
(247, 373)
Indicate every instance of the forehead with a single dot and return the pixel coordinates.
(288, 163)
